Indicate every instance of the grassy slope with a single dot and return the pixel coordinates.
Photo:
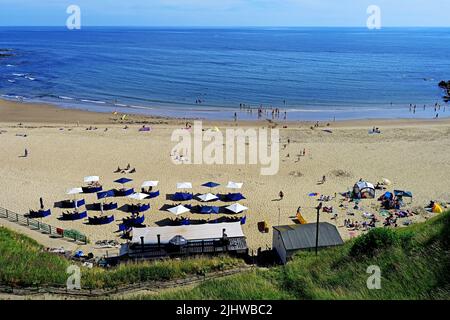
(415, 266)
(24, 263)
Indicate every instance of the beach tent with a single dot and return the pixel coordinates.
(234, 185)
(363, 190)
(184, 185)
(210, 210)
(90, 179)
(182, 196)
(437, 208)
(236, 208)
(210, 184)
(146, 184)
(178, 210)
(207, 197)
(138, 196)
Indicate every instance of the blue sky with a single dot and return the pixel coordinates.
(225, 12)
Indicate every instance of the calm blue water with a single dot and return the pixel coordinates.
(312, 73)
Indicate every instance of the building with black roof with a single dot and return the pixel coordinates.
(290, 238)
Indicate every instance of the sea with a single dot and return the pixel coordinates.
(213, 73)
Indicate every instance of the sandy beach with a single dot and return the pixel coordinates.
(413, 154)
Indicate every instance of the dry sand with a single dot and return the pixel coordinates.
(412, 154)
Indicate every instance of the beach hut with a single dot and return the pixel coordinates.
(289, 239)
(363, 190)
(236, 208)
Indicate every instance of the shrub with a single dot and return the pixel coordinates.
(370, 243)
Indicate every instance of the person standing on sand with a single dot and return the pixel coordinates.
(25, 153)
(235, 117)
(281, 194)
(41, 202)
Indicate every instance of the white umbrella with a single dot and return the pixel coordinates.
(74, 191)
(138, 196)
(149, 184)
(234, 185)
(178, 210)
(91, 179)
(184, 185)
(208, 197)
(236, 208)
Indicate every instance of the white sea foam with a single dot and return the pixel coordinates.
(93, 101)
(65, 98)
(18, 74)
(12, 81)
(10, 65)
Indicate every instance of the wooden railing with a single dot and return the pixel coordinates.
(41, 227)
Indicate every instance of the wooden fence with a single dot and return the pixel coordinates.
(41, 227)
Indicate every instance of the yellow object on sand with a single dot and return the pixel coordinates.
(301, 219)
(437, 208)
(124, 117)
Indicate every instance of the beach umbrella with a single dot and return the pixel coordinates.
(208, 209)
(146, 184)
(91, 179)
(123, 180)
(208, 197)
(74, 191)
(236, 208)
(184, 185)
(178, 210)
(138, 196)
(234, 185)
(210, 184)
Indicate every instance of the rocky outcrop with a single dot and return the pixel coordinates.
(445, 85)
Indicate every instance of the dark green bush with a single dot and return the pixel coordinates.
(370, 243)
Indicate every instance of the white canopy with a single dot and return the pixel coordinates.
(91, 179)
(138, 196)
(234, 185)
(178, 210)
(74, 191)
(364, 185)
(208, 197)
(149, 184)
(210, 231)
(236, 208)
(184, 185)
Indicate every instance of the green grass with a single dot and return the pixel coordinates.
(23, 262)
(414, 263)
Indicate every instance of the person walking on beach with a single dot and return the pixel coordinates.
(281, 194)
(41, 202)
(235, 117)
(25, 154)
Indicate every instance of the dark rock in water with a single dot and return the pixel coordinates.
(446, 86)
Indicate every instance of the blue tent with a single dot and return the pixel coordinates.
(234, 196)
(210, 184)
(123, 180)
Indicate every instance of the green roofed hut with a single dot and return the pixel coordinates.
(289, 239)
